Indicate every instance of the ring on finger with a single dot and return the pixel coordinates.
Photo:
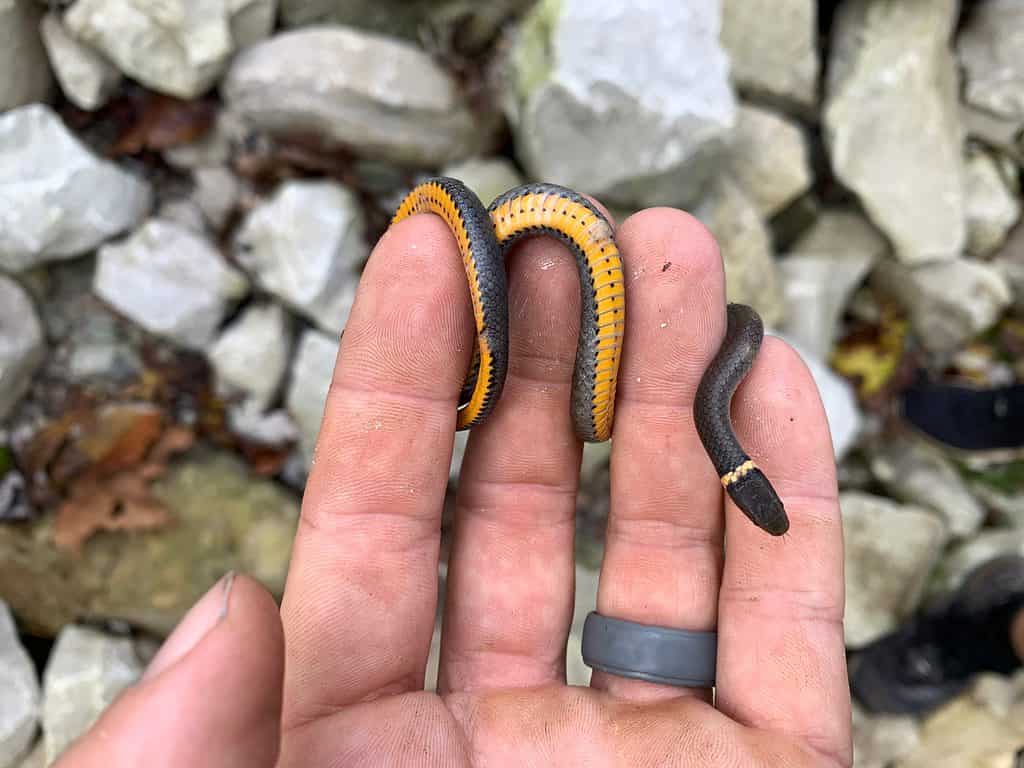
(665, 655)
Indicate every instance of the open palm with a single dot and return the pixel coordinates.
(359, 608)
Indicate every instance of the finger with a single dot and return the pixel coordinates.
(663, 549)
(211, 698)
(362, 588)
(781, 658)
(508, 602)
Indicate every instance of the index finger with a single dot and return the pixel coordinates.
(359, 606)
(781, 656)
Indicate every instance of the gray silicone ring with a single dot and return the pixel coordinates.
(656, 654)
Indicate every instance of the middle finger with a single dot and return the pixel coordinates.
(663, 544)
(509, 593)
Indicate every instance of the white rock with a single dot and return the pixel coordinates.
(987, 545)
(311, 377)
(178, 47)
(751, 274)
(229, 132)
(185, 213)
(989, 49)
(892, 123)
(950, 302)
(169, 280)
(1010, 263)
(216, 193)
(305, 245)
(992, 206)
(1002, 134)
(22, 344)
(380, 97)
(251, 21)
(915, 472)
(878, 740)
(814, 303)
(458, 455)
(995, 692)
(85, 76)
(773, 47)
(966, 733)
(275, 428)
(839, 232)
(19, 693)
(487, 177)
(57, 199)
(467, 24)
(25, 75)
(433, 660)
(252, 353)
(845, 420)
(578, 673)
(820, 274)
(890, 551)
(36, 758)
(770, 159)
(645, 128)
(84, 674)
(1006, 507)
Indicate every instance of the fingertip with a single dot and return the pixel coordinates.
(412, 318)
(251, 610)
(217, 704)
(673, 242)
(781, 422)
(675, 304)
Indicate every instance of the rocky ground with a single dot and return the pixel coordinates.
(187, 196)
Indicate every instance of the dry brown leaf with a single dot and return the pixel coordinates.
(122, 436)
(35, 457)
(124, 504)
(118, 496)
(174, 440)
(265, 460)
(160, 122)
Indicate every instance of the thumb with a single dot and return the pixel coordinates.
(211, 698)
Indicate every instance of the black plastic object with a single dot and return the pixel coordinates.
(967, 418)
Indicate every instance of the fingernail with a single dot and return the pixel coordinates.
(211, 609)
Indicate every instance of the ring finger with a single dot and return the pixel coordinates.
(663, 545)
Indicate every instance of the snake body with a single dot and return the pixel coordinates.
(484, 236)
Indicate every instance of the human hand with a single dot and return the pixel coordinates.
(359, 608)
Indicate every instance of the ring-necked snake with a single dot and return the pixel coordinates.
(484, 235)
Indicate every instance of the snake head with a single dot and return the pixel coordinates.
(757, 498)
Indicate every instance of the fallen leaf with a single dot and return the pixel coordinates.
(159, 122)
(174, 440)
(130, 449)
(35, 457)
(268, 161)
(120, 437)
(124, 504)
(872, 357)
(265, 461)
